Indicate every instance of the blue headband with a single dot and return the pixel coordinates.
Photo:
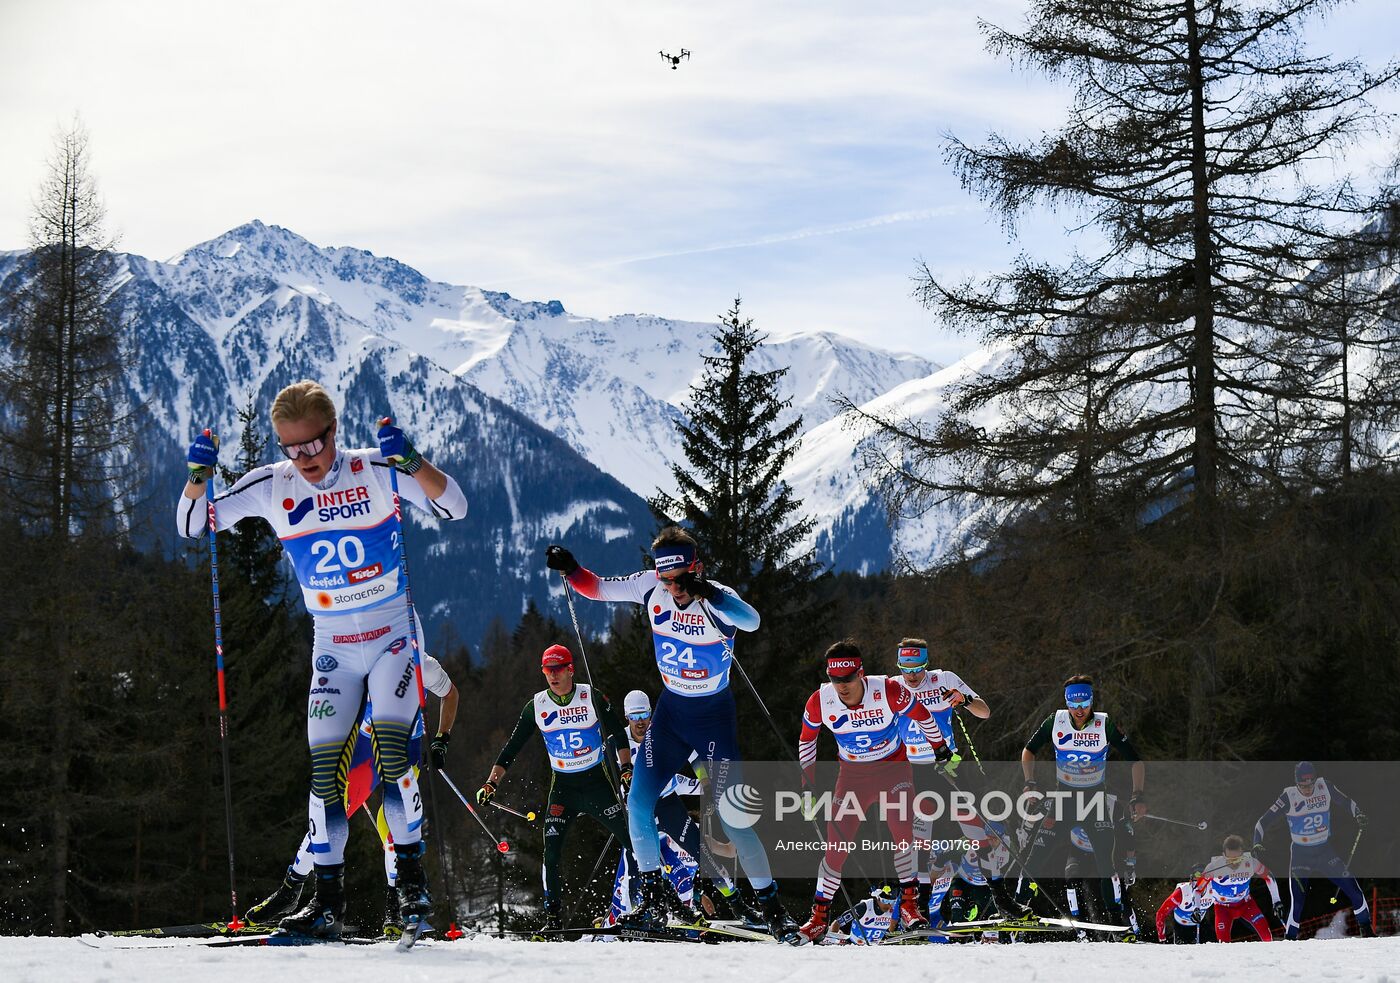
(678, 556)
(912, 656)
(1079, 693)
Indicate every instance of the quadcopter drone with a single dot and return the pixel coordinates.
(675, 60)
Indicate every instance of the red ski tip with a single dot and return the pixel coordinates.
(503, 846)
(454, 933)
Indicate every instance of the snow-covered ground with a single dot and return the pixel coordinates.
(45, 960)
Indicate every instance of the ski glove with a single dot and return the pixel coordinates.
(1280, 912)
(486, 793)
(202, 456)
(1257, 851)
(697, 586)
(947, 760)
(558, 558)
(397, 448)
(1128, 875)
(437, 750)
(1361, 820)
(626, 780)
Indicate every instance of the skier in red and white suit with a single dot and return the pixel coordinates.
(1224, 883)
(863, 714)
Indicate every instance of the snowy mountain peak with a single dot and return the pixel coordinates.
(243, 314)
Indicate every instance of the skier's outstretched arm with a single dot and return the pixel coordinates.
(1271, 816)
(590, 585)
(807, 740)
(524, 729)
(429, 485)
(734, 610)
(251, 495)
(1269, 882)
(902, 701)
(1347, 802)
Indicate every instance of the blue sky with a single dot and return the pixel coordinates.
(544, 148)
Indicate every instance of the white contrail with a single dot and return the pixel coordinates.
(913, 215)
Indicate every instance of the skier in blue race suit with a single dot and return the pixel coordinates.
(694, 622)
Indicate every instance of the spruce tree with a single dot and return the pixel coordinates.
(747, 521)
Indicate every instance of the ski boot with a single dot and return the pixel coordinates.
(776, 919)
(911, 916)
(322, 915)
(1366, 929)
(713, 903)
(414, 900)
(1007, 906)
(925, 895)
(393, 921)
(553, 922)
(659, 901)
(751, 916)
(279, 904)
(814, 929)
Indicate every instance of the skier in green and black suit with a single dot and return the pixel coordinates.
(574, 721)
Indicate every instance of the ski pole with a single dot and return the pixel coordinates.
(597, 864)
(442, 842)
(417, 660)
(1346, 868)
(223, 691)
(529, 817)
(502, 846)
(1008, 838)
(407, 594)
(1354, 844)
(573, 616)
(970, 746)
(1176, 822)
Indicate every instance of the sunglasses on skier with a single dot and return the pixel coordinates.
(642, 715)
(307, 448)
